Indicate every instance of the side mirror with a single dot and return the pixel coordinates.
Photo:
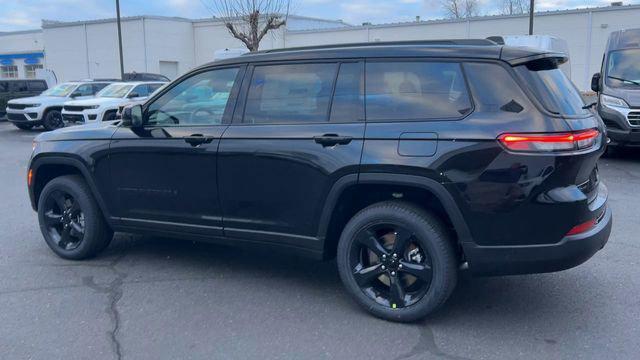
(133, 95)
(595, 82)
(132, 116)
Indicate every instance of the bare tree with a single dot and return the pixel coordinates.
(250, 20)
(460, 9)
(514, 7)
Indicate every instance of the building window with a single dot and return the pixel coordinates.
(30, 70)
(9, 71)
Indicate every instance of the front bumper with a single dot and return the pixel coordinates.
(569, 252)
(619, 128)
(27, 115)
(84, 116)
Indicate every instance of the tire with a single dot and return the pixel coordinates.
(424, 232)
(52, 120)
(24, 126)
(71, 192)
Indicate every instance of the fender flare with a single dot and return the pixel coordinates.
(433, 186)
(75, 163)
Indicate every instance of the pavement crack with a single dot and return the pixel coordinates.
(427, 345)
(114, 292)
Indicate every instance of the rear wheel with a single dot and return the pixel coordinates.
(70, 220)
(397, 261)
(52, 120)
(24, 126)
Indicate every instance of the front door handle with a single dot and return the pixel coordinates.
(197, 139)
(332, 140)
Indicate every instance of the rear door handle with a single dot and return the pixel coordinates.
(332, 139)
(197, 139)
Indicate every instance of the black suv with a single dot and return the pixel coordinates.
(408, 161)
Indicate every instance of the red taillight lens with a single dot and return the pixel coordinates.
(584, 227)
(29, 177)
(550, 142)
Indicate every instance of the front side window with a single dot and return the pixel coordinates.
(141, 90)
(398, 91)
(552, 87)
(30, 70)
(623, 68)
(292, 93)
(84, 90)
(61, 90)
(198, 100)
(37, 85)
(9, 71)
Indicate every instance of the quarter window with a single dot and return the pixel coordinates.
(415, 90)
(294, 93)
(348, 98)
(199, 100)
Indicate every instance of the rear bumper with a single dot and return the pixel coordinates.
(569, 252)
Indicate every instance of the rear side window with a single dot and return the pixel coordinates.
(552, 87)
(98, 86)
(37, 86)
(18, 86)
(292, 93)
(397, 91)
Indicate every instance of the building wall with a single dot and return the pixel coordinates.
(16, 47)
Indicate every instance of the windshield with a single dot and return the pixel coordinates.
(115, 91)
(623, 68)
(61, 90)
(552, 87)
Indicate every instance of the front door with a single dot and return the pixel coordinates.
(164, 175)
(299, 130)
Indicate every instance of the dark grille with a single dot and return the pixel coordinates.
(73, 108)
(72, 118)
(16, 117)
(17, 106)
(634, 118)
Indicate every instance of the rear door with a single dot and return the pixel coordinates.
(290, 141)
(164, 175)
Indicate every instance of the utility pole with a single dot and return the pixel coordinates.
(531, 8)
(120, 39)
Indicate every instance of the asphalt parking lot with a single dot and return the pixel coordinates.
(150, 298)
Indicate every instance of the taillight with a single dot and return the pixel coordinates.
(584, 227)
(29, 177)
(550, 142)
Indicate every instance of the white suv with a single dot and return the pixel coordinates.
(46, 109)
(105, 105)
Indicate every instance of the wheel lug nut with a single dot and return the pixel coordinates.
(383, 267)
(393, 273)
(400, 266)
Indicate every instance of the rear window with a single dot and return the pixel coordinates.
(397, 91)
(552, 87)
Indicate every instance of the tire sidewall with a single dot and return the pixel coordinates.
(48, 118)
(88, 207)
(430, 238)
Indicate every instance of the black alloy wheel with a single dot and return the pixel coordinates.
(64, 220)
(53, 120)
(389, 266)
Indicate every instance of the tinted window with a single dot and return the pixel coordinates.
(494, 89)
(297, 93)
(4, 86)
(552, 87)
(18, 86)
(141, 90)
(199, 100)
(84, 90)
(154, 87)
(37, 85)
(348, 98)
(98, 86)
(415, 90)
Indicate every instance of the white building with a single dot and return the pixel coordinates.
(171, 46)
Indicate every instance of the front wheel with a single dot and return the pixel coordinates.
(397, 260)
(70, 220)
(52, 120)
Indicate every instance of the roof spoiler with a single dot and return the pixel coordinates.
(559, 57)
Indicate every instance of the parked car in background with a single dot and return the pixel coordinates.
(19, 88)
(104, 106)
(434, 156)
(136, 76)
(132, 102)
(618, 88)
(46, 109)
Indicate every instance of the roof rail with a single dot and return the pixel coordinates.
(462, 42)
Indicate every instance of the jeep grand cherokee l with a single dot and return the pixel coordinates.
(407, 161)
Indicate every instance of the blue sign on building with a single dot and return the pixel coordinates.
(29, 58)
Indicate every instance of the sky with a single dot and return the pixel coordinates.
(27, 14)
